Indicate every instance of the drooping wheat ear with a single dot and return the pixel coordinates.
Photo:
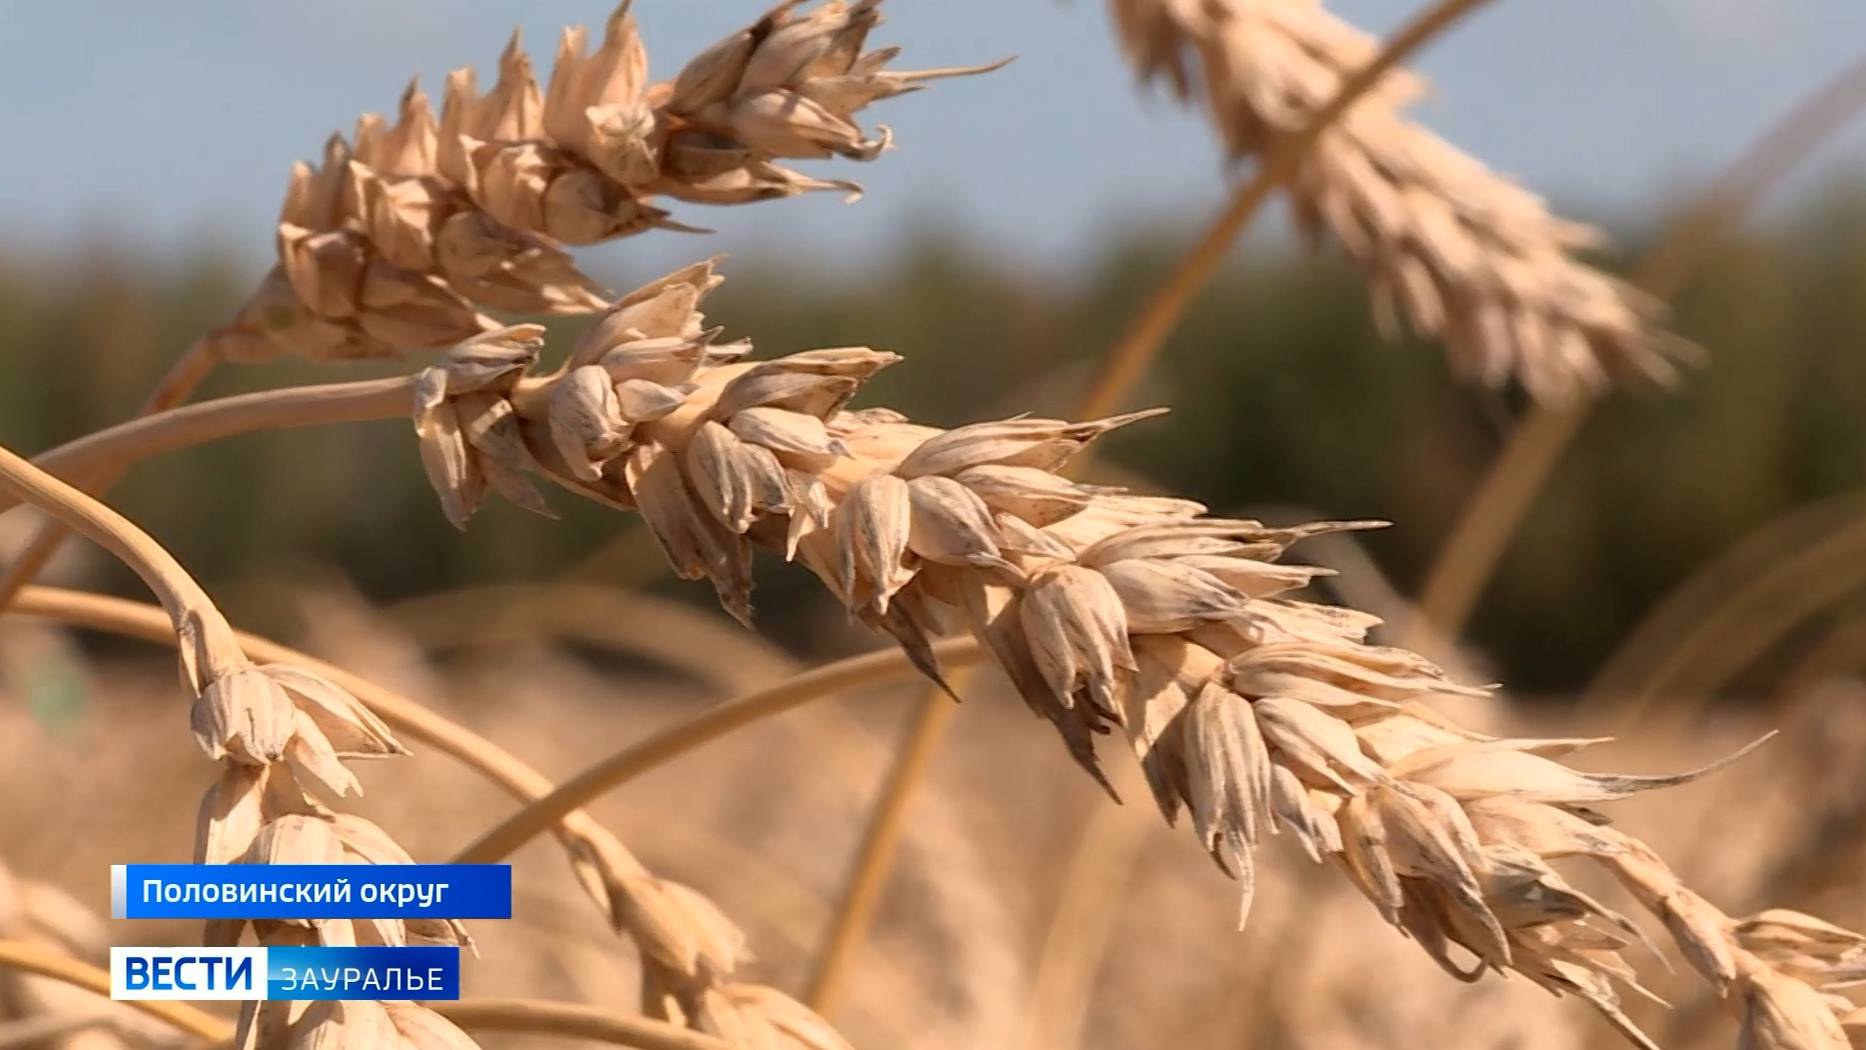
(686, 943)
(282, 735)
(1454, 250)
(1255, 711)
(398, 239)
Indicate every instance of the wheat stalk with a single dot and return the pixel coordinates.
(1453, 250)
(188, 372)
(1109, 611)
(281, 734)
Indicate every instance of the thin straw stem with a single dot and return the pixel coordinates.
(186, 375)
(1475, 545)
(1082, 924)
(1746, 623)
(44, 962)
(1840, 652)
(126, 444)
(874, 857)
(632, 761)
(1644, 648)
(188, 606)
(1122, 368)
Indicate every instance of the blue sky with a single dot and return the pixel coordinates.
(172, 124)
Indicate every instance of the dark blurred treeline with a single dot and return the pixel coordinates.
(1283, 393)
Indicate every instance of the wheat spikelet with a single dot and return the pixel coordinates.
(1454, 250)
(400, 237)
(1256, 712)
(283, 736)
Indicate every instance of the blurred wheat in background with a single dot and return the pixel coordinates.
(1648, 496)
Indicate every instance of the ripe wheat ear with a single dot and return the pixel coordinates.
(1110, 611)
(1453, 250)
(282, 735)
(404, 234)
(690, 949)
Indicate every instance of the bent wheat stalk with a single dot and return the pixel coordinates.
(281, 734)
(176, 385)
(1452, 250)
(122, 446)
(1109, 611)
(683, 937)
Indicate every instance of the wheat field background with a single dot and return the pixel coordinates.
(1623, 475)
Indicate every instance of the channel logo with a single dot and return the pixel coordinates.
(188, 973)
(429, 972)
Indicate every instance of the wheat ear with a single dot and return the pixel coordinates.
(401, 236)
(1120, 369)
(281, 734)
(1453, 250)
(691, 948)
(1202, 707)
(1516, 476)
(1110, 612)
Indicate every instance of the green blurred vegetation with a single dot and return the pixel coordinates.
(1283, 394)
